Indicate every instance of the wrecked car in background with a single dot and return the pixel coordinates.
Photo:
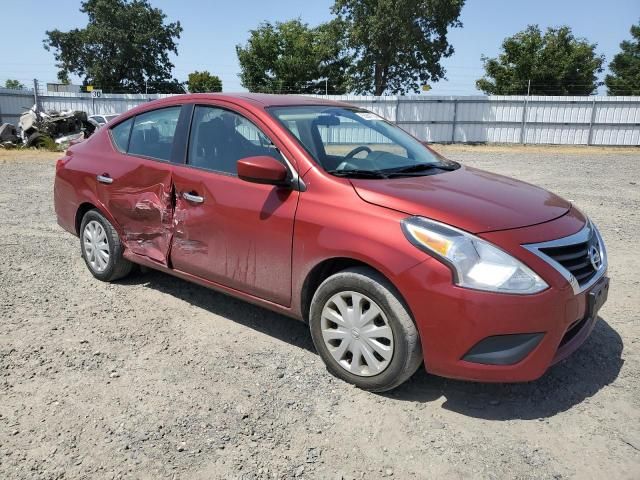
(39, 129)
(103, 118)
(8, 135)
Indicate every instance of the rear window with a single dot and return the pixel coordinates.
(120, 134)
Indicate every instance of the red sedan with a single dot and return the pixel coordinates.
(392, 254)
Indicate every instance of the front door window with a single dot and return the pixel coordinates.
(219, 138)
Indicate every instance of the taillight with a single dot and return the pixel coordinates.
(61, 162)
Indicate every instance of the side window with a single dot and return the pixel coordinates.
(152, 133)
(120, 134)
(219, 138)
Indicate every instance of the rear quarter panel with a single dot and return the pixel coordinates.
(75, 181)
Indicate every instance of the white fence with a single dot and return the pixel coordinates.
(477, 119)
(511, 119)
(14, 102)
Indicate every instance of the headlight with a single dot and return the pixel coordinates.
(475, 263)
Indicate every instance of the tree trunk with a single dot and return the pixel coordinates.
(379, 79)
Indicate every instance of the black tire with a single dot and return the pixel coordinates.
(117, 267)
(407, 352)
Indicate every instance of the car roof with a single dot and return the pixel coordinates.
(258, 99)
(271, 100)
(251, 100)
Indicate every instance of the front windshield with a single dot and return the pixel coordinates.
(343, 139)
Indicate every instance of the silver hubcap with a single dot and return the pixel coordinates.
(96, 246)
(357, 333)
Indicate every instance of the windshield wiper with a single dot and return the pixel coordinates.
(355, 173)
(418, 168)
(423, 167)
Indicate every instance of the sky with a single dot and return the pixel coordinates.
(212, 29)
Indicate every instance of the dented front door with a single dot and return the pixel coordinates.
(227, 230)
(138, 193)
(234, 233)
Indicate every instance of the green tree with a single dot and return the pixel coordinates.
(625, 67)
(334, 59)
(556, 63)
(291, 57)
(397, 44)
(203, 82)
(125, 47)
(14, 84)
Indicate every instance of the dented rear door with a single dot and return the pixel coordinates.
(136, 185)
(140, 200)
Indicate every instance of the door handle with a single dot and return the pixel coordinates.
(104, 179)
(192, 198)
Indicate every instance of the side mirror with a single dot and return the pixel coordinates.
(262, 169)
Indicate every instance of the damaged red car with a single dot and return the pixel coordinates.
(393, 255)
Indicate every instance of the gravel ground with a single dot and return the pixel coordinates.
(154, 377)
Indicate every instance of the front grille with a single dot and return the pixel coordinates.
(575, 258)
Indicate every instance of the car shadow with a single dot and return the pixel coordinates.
(593, 366)
(257, 318)
(596, 364)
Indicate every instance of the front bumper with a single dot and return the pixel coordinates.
(495, 337)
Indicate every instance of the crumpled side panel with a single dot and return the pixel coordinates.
(148, 215)
(181, 240)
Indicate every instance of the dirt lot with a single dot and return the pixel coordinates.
(157, 378)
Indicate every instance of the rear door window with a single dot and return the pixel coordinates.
(152, 133)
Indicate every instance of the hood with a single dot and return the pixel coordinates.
(467, 198)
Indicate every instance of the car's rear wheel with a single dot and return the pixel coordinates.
(101, 248)
(363, 331)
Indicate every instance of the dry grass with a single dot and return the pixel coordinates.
(27, 154)
(504, 148)
(543, 149)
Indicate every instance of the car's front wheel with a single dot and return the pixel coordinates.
(101, 248)
(363, 331)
